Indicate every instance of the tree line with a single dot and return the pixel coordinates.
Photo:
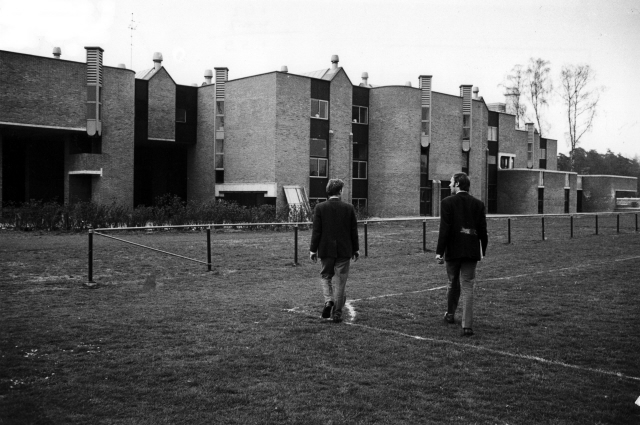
(592, 162)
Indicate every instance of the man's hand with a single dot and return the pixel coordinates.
(356, 255)
(439, 259)
(313, 256)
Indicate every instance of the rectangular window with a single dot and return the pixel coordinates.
(425, 113)
(466, 120)
(529, 151)
(360, 170)
(543, 154)
(466, 133)
(318, 167)
(360, 152)
(219, 154)
(425, 128)
(507, 161)
(319, 109)
(219, 123)
(91, 111)
(540, 200)
(492, 134)
(91, 93)
(318, 148)
(566, 200)
(220, 108)
(465, 162)
(360, 204)
(181, 115)
(360, 114)
(424, 164)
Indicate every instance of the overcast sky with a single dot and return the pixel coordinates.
(395, 41)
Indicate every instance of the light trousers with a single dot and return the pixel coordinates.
(334, 275)
(461, 274)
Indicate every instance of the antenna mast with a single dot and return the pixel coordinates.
(132, 27)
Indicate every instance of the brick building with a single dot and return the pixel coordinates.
(84, 131)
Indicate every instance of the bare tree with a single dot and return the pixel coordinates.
(539, 88)
(581, 99)
(514, 86)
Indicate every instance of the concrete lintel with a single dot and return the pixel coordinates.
(269, 189)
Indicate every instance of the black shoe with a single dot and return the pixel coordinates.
(337, 316)
(467, 332)
(326, 311)
(448, 317)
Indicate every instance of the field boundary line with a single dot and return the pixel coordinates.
(296, 310)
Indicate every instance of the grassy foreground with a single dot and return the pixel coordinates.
(163, 341)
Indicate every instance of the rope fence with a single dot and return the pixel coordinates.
(365, 223)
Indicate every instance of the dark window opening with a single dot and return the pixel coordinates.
(566, 200)
(541, 200)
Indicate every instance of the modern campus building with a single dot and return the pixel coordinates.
(86, 131)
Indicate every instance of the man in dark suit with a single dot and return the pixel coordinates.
(463, 242)
(335, 240)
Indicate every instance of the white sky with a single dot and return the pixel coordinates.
(456, 41)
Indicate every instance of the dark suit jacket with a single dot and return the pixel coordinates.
(463, 228)
(335, 230)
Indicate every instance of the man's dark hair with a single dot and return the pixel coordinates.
(463, 181)
(334, 187)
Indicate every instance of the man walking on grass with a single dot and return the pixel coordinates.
(335, 240)
(462, 241)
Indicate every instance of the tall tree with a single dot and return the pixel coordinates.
(514, 85)
(539, 88)
(581, 99)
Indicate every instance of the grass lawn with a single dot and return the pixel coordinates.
(163, 341)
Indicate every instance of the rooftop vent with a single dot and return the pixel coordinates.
(365, 78)
(157, 60)
(475, 92)
(334, 62)
(408, 84)
(121, 65)
(284, 69)
(57, 52)
(208, 76)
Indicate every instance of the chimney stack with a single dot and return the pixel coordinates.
(475, 92)
(208, 76)
(334, 62)
(365, 79)
(157, 60)
(57, 52)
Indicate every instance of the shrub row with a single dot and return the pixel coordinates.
(167, 211)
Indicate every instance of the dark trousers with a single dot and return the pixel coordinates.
(461, 274)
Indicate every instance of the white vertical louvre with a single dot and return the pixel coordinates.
(222, 75)
(94, 65)
(425, 86)
(465, 93)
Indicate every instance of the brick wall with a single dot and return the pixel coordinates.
(599, 192)
(518, 191)
(250, 128)
(201, 175)
(445, 153)
(42, 91)
(162, 106)
(394, 151)
(340, 147)
(552, 154)
(478, 151)
(116, 160)
(292, 133)
(554, 187)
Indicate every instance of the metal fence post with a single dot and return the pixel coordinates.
(209, 248)
(572, 226)
(295, 245)
(366, 242)
(596, 224)
(543, 228)
(509, 230)
(424, 235)
(90, 256)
